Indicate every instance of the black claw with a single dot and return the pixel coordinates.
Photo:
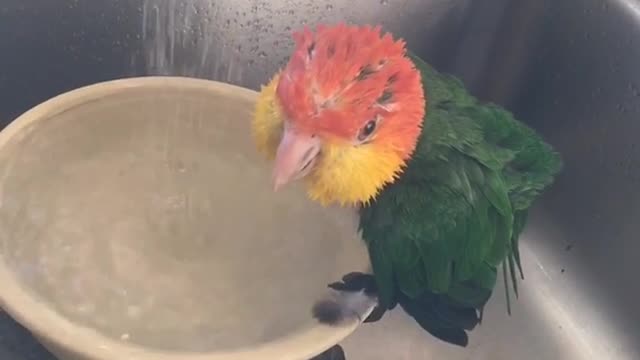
(355, 276)
(339, 286)
(334, 353)
(356, 281)
(376, 315)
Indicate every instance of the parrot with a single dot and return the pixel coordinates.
(441, 182)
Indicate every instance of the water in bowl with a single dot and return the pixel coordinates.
(148, 216)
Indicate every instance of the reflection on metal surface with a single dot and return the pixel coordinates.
(569, 69)
(629, 5)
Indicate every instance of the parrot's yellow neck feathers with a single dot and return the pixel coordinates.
(345, 173)
(352, 175)
(268, 123)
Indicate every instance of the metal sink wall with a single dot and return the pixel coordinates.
(569, 68)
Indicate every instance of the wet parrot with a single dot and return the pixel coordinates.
(441, 181)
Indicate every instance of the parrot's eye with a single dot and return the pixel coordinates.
(367, 130)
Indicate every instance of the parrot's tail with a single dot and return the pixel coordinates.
(441, 317)
(344, 306)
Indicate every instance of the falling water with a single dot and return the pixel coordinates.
(243, 42)
(183, 38)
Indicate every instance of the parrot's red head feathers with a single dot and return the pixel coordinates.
(351, 106)
(340, 78)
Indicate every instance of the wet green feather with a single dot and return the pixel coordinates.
(439, 234)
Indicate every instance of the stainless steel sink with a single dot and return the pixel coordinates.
(569, 68)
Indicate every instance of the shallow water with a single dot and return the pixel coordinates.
(150, 218)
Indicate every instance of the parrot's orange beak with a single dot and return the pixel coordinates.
(295, 157)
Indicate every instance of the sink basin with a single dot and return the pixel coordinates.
(567, 68)
(138, 222)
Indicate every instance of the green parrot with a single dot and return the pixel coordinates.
(442, 182)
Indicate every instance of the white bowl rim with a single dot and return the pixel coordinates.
(51, 327)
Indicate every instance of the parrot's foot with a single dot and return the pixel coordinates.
(334, 353)
(356, 294)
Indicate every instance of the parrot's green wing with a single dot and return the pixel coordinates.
(437, 236)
